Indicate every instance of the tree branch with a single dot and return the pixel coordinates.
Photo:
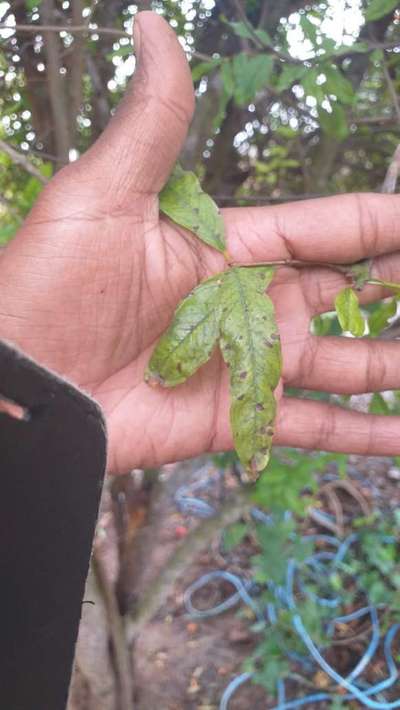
(77, 66)
(392, 90)
(117, 634)
(72, 29)
(55, 83)
(196, 540)
(20, 159)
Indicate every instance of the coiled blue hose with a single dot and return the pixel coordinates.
(326, 561)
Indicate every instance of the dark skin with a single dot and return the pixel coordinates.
(94, 275)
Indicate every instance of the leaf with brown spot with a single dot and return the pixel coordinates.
(189, 341)
(184, 201)
(254, 369)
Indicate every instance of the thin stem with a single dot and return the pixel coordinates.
(20, 159)
(298, 263)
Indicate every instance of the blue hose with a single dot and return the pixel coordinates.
(319, 565)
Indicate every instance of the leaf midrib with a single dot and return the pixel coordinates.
(243, 300)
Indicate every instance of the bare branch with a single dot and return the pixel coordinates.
(77, 66)
(392, 175)
(392, 90)
(20, 159)
(72, 29)
(56, 84)
(196, 540)
(117, 634)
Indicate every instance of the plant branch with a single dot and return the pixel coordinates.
(117, 634)
(56, 84)
(20, 159)
(77, 66)
(392, 175)
(392, 89)
(196, 540)
(72, 29)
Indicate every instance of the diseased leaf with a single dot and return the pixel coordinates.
(378, 8)
(250, 73)
(348, 312)
(190, 339)
(184, 201)
(250, 346)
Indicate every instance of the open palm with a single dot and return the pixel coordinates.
(94, 276)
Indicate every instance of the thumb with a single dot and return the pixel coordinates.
(139, 147)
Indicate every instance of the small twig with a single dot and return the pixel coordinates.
(10, 208)
(20, 159)
(243, 17)
(117, 633)
(72, 29)
(196, 540)
(298, 263)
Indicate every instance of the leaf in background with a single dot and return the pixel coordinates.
(250, 73)
(250, 346)
(348, 311)
(7, 232)
(310, 30)
(378, 8)
(203, 68)
(335, 122)
(184, 201)
(233, 535)
(189, 341)
(289, 74)
(310, 85)
(31, 4)
(287, 481)
(241, 30)
(337, 84)
(226, 93)
(379, 318)
(378, 405)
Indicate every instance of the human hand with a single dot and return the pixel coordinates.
(93, 278)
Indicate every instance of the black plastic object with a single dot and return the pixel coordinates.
(52, 464)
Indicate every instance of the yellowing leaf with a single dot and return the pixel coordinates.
(190, 339)
(348, 312)
(184, 201)
(250, 346)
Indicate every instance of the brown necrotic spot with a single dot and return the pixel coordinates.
(259, 407)
(243, 375)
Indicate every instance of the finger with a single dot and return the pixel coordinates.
(318, 425)
(339, 229)
(348, 365)
(138, 149)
